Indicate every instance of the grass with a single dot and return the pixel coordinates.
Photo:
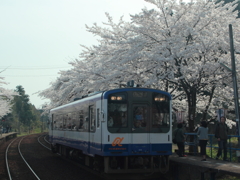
(228, 177)
(35, 131)
(231, 154)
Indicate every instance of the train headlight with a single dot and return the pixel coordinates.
(162, 99)
(119, 98)
(159, 98)
(113, 98)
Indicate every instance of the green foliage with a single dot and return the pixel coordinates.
(22, 108)
(24, 116)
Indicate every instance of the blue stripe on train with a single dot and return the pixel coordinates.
(110, 150)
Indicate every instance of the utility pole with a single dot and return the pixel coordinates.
(234, 78)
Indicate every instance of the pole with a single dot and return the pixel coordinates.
(234, 78)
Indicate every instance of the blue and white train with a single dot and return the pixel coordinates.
(127, 130)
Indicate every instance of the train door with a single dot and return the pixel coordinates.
(51, 124)
(98, 134)
(91, 127)
(140, 128)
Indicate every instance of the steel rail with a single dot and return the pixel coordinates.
(6, 160)
(46, 139)
(19, 150)
(42, 143)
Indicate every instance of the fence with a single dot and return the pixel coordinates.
(212, 143)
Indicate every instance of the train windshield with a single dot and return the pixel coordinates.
(138, 112)
(117, 111)
(160, 113)
(140, 116)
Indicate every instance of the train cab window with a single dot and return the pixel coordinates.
(160, 113)
(140, 116)
(117, 112)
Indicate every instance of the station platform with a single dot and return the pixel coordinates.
(6, 136)
(211, 167)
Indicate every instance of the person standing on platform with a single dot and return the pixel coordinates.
(221, 133)
(1, 130)
(180, 138)
(7, 129)
(203, 138)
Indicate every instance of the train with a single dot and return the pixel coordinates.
(125, 130)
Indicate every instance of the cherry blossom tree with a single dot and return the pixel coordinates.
(6, 96)
(176, 47)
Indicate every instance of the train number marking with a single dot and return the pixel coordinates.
(117, 141)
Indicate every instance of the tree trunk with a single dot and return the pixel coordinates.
(191, 109)
(209, 102)
(191, 115)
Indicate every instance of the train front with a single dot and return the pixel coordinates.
(137, 135)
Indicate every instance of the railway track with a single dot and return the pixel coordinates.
(38, 162)
(17, 161)
(45, 143)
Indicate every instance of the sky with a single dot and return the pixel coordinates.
(39, 37)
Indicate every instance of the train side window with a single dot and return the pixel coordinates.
(85, 123)
(65, 121)
(74, 121)
(59, 122)
(98, 117)
(55, 121)
(92, 118)
(69, 121)
(81, 120)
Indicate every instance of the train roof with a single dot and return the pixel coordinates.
(105, 94)
(137, 89)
